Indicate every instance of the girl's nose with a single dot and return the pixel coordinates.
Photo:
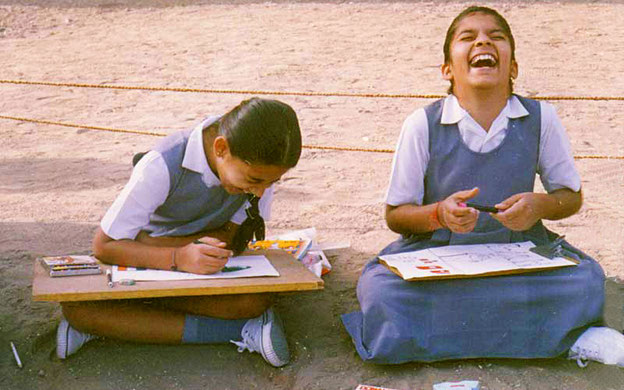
(483, 39)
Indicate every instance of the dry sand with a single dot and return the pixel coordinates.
(57, 182)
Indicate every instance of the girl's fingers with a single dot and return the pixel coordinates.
(216, 262)
(464, 223)
(211, 265)
(462, 196)
(211, 241)
(514, 211)
(509, 202)
(499, 218)
(460, 212)
(463, 228)
(215, 251)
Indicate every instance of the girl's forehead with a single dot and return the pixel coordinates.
(476, 21)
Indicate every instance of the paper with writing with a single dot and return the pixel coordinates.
(258, 266)
(470, 260)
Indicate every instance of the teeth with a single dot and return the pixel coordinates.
(483, 57)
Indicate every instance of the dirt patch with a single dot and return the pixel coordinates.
(57, 182)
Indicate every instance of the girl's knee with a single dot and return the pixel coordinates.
(252, 305)
(225, 306)
(372, 289)
(73, 310)
(78, 314)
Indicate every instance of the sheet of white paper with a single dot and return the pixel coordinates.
(259, 266)
(330, 246)
(303, 234)
(470, 260)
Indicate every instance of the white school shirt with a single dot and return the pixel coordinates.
(555, 161)
(148, 188)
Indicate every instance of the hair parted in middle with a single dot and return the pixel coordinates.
(500, 20)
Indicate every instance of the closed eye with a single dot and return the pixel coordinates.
(466, 37)
(253, 180)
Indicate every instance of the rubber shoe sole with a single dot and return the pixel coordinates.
(274, 346)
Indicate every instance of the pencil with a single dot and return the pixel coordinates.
(17, 358)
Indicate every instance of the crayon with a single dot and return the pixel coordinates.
(233, 269)
(489, 209)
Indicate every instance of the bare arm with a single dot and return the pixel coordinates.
(449, 214)
(411, 218)
(224, 234)
(521, 211)
(161, 253)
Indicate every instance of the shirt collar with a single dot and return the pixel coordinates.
(195, 156)
(516, 109)
(452, 112)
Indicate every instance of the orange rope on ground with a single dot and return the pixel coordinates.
(44, 122)
(281, 93)
(223, 91)
(321, 147)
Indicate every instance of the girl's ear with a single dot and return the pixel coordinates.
(220, 146)
(446, 72)
(513, 73)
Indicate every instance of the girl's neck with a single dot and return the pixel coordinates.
(482, 105)
(208, 139)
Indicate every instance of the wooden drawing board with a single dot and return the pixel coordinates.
(294, 276)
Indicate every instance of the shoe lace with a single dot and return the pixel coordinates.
(242, 346)
(582, 361)
(581, 358)
(248, 342)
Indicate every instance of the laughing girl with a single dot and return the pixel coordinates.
(484, 144)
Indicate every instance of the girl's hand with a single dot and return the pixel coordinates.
(519, 212)
(455, 217)
(206, 257)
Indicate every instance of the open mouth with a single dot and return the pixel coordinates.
(483, 61)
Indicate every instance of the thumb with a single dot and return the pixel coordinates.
(507, 203)
(211, 241)
(462, 196)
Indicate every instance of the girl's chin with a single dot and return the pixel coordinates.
(487, 76)
(233, 190)
(487, 83)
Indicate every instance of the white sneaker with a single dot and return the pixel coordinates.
(265, 334)
(69, 340)
(601, 344)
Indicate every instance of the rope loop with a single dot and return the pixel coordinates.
(319, 147)
(253, 92)
(281, 93)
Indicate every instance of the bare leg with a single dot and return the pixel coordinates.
(130, 320)
(159, 320)
(228, 307)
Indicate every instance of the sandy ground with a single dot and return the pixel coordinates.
(56, 182)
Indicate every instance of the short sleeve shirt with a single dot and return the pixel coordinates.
(555, 162)
(148, 188)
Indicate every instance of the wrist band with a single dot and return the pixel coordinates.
(434, 220)
(173, 266)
